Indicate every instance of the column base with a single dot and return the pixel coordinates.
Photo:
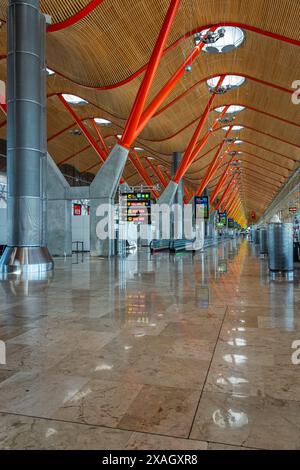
(26, 259)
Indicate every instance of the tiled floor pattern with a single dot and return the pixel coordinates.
(161, 352)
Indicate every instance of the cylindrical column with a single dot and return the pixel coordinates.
(280, 239)
(26, 147)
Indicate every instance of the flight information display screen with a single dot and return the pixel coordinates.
(139, 207)
(201, 207)
(222, 220)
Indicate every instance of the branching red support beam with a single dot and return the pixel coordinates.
(142, 171)
(226, 191)
(100, 137)
(166, 90)
(158, 173)
(133, 121)
(214, 165)
(221, 181)
(230, 198)
(191, 153)
(85, 131)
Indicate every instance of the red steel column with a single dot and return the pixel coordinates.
(139, 103)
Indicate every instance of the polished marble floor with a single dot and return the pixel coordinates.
(152, 352)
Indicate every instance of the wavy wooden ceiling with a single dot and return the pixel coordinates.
(102, 57)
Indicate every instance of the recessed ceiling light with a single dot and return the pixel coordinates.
(225, 39)
(102, 121)
(73, 99)
(233, 128)
(238, 141)
(150, 158)
(119, 136)
(233, 108)
(229, 82)
(50, 71)
(138, 149)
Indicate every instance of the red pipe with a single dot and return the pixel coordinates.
(141, 170)
(85, 131)
(230, 198)
(189, 153)
(139, 103)
(228, 188)
(213, 167)
(221, 181)
(85, 11)
(158, 173)
(101, 139)
(201, 144)
(166, 90)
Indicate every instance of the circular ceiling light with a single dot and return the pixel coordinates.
(232, 39)
(233, 128)
(233, 108)
(73, 99)
(102, 121)
(229, 82)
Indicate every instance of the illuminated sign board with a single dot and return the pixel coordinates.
(76, 209)
(201, 207)
(138, 207)
(222, 220)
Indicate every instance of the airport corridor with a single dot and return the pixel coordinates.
(152, 352)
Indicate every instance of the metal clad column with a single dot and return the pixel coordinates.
(25, 139)
(178, 199)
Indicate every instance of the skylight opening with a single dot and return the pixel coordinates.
(233, 128)
(233, 108)
(230, 82)
(230, 39)
(73, 99)
(102, 121)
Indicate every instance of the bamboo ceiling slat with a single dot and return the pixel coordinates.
(114, 41)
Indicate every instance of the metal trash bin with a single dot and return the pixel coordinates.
(280, 244)
(263, 241)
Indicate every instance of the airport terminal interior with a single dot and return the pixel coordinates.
(149, 224)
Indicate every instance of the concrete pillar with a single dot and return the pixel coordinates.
(102, 199)
(26, 250)
(59, 211)
(177, 232)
